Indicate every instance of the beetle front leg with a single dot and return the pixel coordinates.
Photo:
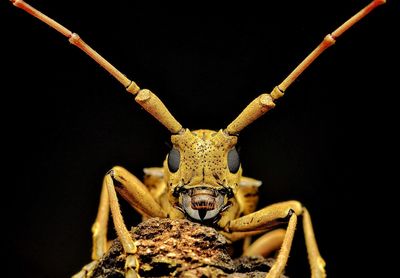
(99, 234)
(268, 218)
(136, 193)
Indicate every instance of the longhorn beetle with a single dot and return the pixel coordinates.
(201, 178)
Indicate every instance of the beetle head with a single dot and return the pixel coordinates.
(203, 171)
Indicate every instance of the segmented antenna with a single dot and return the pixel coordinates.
(265, 102)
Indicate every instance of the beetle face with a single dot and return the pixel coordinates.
(202, 172)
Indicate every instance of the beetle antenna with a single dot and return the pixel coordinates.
(265, 102)
(148, 100)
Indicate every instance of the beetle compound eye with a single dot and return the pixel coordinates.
(174, 159)
(233, 160)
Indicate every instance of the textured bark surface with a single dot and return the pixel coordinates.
(180, 248)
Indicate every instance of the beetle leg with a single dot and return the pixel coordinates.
(136, 193)
(99, 234)
(271, 216)
(99, 227)
(265, 218)
(128, 244)
(266, 243)
(86, 271)
(279, 266)
(317, 263)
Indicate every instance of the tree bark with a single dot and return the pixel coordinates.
(180, 248)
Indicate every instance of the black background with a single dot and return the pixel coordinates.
(65, 121)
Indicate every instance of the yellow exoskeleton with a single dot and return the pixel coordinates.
(201, 178)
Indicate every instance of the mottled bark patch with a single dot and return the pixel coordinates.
(180, 248)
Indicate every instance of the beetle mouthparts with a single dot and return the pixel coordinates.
(202, 203)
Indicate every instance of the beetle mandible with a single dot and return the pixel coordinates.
(201, 178)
